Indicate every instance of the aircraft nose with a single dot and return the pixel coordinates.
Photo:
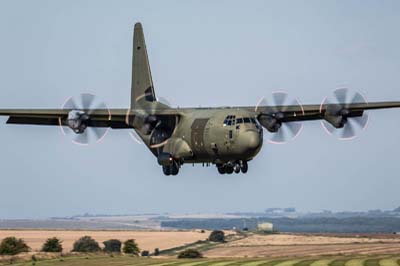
(253, 140)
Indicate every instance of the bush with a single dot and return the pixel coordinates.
(156, 251)
(52, 245)
(112, 245)
(131, 247)
(145, 253)
(13, 246)
(217, 236)
(86, 244)
(190, 254)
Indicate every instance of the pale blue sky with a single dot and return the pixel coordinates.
(206, 53)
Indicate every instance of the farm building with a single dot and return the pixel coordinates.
(265, 227)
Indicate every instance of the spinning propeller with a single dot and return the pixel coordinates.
(272, 117)
(148, 124)
(339, 121)
(83, 131)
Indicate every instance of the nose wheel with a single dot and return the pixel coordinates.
(232, 167)
(172, 169)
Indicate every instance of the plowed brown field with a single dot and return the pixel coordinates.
(287, 245)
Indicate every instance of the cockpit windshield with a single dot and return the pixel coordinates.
(231, 120)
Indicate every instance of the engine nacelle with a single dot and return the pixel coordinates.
(270, 122)
(336, 116)
(77, 121)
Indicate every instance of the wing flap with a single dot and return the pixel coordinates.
(45, 121)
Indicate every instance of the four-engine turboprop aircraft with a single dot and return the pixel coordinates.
(228, 137)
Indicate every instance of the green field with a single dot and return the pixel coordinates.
(127, 261)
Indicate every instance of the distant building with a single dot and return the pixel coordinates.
(280, 210)
(265, 227)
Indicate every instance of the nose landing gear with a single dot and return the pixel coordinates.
(172, 169)
(230, 167)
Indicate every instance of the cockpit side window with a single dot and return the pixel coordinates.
(253, 120)
(246, 120)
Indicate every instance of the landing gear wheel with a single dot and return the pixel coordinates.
(166, 169)
(229, 169)
(221, 170)
(244, 167)
(174, 169)
(236, 168)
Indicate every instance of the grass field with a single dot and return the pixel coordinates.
(128, 261)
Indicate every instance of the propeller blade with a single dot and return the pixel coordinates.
(70, 104)
(348, 131)
(99, 106)
(293, 127)
(279, 98)
(361, 121)
(341, 95)
(278, 137)
(358, 98)
(328, 127)
(87, 100)
(99, 132)
(82, 138)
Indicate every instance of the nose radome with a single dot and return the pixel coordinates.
(253, 139)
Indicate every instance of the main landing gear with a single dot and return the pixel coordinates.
(171, 169)
(230, 167)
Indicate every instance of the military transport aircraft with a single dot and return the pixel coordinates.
(228, 137)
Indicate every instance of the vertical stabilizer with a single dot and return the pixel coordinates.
(142, 90)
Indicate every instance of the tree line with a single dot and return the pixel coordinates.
(85, 244)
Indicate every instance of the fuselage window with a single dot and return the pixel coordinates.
(239, 121)
(246, 120)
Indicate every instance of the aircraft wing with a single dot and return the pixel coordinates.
(114, 118)
(292, 113)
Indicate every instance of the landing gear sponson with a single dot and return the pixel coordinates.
(170, 166)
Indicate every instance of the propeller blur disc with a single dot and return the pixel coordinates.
(278, 103)
(86, 104)
(148, 123)
(341, 99)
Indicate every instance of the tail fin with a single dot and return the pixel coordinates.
(142, 89)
